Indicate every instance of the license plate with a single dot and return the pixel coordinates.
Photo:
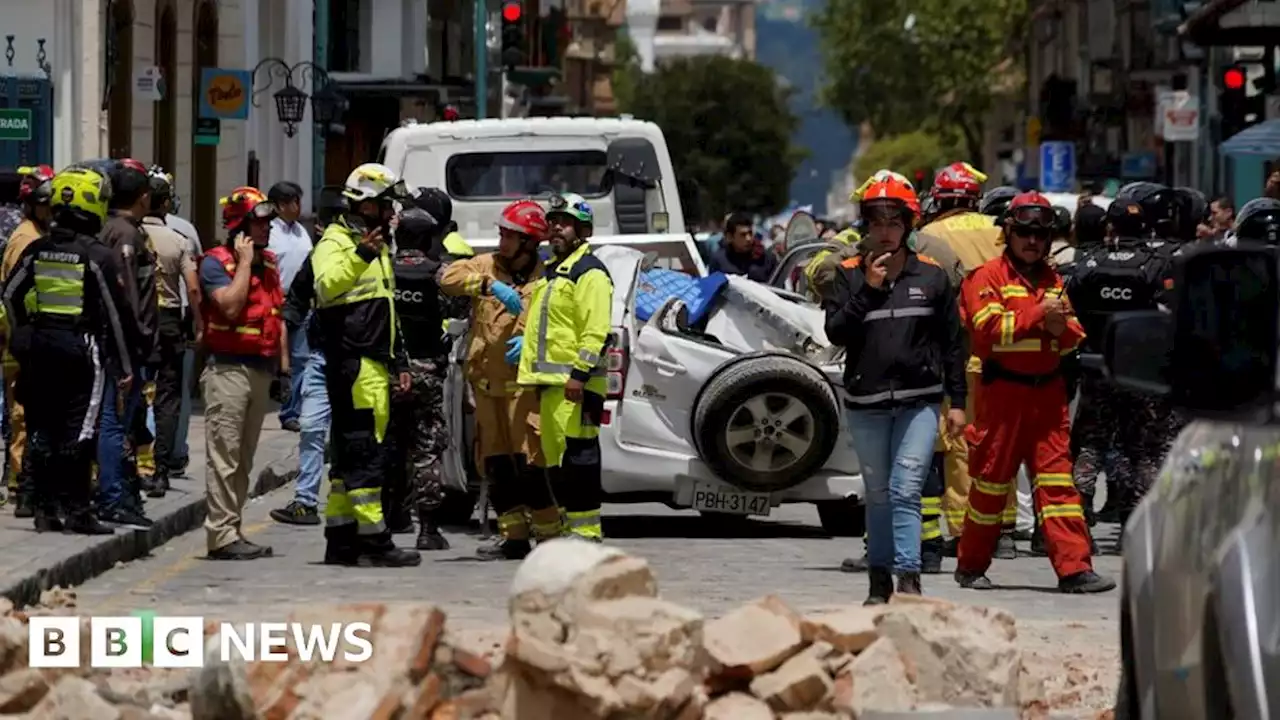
(722, 499)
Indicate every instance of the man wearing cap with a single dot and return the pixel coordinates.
(1020, 327)
(1125, 274)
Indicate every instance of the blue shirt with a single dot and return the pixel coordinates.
(292, 245)
(213, 276)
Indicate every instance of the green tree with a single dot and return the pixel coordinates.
(626, 70)
(904, 65)
(905, 154)
(728, 125)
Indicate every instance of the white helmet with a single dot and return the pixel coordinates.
(371, 181)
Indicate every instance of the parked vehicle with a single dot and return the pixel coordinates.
(1199, 619)
(731, 414)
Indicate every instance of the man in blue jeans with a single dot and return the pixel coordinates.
(292, 244)
(313, 435)
(897, 315)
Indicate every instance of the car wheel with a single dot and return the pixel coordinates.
(457, 508)
(766, 423)
(843, 518)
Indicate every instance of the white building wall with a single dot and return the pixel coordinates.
(285, 31)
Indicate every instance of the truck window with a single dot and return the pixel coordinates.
(478, 176)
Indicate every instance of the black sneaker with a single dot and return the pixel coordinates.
(291, 426)
(881, 586)
(1086, 582)
(125, 516)
(156, 486)
(1005, 549)
(973, 581)
(239, 550)
(295, 513)
(266, 549)
(179, 468)
(86, 524)
(429, 537)
(505, 550)
(854, 565)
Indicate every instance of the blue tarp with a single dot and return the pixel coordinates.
(1261, 139)
(659, 285)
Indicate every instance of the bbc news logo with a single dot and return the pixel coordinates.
(179, 642)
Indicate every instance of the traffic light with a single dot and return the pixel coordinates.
(1233, 101)
(513, 34)
(921, 174)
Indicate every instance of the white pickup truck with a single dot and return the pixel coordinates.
(734, 415)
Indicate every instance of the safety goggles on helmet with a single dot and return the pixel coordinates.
(881, 210)
(1032, 217)
(572, 205)
(263, 211)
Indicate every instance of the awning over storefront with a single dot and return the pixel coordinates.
(1255, 25)
(1261, 139)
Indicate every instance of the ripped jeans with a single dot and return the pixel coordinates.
(895, 449)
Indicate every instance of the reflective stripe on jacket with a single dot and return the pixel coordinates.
(256, 332)
(355, 296)
(569, 323)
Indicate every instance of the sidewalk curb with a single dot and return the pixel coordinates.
(125, 546)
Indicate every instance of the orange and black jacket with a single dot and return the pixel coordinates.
(904, 341)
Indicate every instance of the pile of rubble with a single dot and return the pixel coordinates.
(589, 638)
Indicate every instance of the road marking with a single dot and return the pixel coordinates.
(168, 572)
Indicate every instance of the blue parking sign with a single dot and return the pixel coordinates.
(1058, 167)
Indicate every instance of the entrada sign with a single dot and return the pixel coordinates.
(15, 124)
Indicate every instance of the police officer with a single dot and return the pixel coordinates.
(355, 307)
(418, 434)
(1125, 274)
(1193, 210)
(62, 338)
(996, 201)
(563, 355)
(1259, 222)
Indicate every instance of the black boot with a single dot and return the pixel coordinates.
(909, 584)
(86, 523)
(881, 586)
(429, 537)
(384, 553)
(25, 506)
(46, 520)
(1005, 549)
(158, 484)
(931, 552)
(951, 547)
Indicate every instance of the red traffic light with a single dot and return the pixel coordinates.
(511, 12)
(1233, 78)
(920, 175)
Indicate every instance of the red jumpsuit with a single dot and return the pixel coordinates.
(1021, 416)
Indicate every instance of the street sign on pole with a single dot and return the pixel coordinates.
(15, 124)
(1058, 167)
(1179, 116)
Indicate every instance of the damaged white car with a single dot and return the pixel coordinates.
(732, 412)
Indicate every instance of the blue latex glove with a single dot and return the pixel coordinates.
(506, 295)
(514, 347)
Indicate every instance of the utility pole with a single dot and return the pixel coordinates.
(482, 59)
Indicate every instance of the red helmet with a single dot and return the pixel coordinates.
(890, 194)
(35, 187)
(242, 201)
(1030, 210)
(525, 217)
(957, 180)
(131, 164)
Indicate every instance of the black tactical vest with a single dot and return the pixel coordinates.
(1111, 280)
(418, 304)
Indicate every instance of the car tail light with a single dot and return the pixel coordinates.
(616, 363)
(606, 418)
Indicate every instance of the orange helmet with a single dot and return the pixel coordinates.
(892, 195)
(525, 217)
(242, 201)
(958, 180)
(1031, 211)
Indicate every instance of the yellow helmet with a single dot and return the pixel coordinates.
(79, 188)
(373, 181)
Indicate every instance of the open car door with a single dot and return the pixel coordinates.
(457, 464)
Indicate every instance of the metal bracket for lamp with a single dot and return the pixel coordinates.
(327, 104)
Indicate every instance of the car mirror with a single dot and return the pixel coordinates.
(649, 260)
(1136, 351)
(1226, 313)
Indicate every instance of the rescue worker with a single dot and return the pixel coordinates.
(1126, 274)
(248, 349)
(820, 272)
(563, 355)
(175, 268)
(419, 437)
(1259, 222)
(62, 303)
(1020, 326)
(34, 192)
(894, 307)
(973, 239)
(996, 201)
(358, 328)
(119, 487)
(499, 284)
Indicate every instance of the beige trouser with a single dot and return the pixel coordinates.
(235, 402)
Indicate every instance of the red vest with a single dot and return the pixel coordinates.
(257, 331)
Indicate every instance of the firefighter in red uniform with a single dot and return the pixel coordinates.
(1021, 324)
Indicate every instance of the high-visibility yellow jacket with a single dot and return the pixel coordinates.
(355, 296)
(569, 320)
(456, 246)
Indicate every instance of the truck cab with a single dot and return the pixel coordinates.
(619, 165)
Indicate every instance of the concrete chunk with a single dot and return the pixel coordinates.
(753, 639)
(737, 706)
(800, 684)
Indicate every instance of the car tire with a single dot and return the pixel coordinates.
(843, 518)
(766, 422)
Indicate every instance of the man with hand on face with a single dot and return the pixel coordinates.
(892, 308)
(362, 344)
(247, 344)
(563, 355)
(499, 284)
(1021, 325)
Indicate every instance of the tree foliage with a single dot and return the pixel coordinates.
(728, 125)
(905, 154)
(907, 65)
